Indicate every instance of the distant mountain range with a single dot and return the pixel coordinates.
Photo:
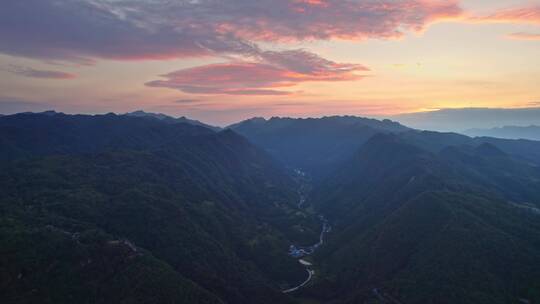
(511, 132)
(457, 120)
(314, 145)
(145, 208)
(170, 119)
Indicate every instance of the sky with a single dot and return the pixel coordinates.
(221, 61)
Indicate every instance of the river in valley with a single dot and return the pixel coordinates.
(299, 252)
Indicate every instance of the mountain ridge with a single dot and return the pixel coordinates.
(170, 119)
(314, 145)
(531, 132)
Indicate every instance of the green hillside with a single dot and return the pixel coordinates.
(208, 210)
(459, 226)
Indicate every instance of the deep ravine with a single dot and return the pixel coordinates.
(299, 252)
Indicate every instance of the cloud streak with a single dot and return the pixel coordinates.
(44, 74)
(187, 101)
(519, 15)
(259, 78)
(524, 36)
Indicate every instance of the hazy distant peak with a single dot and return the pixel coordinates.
(141, 113)
(260, 119)
(50, 113)
(170, 119)
(47, 113)
(457, 120)
(531, 132)
(345, 120)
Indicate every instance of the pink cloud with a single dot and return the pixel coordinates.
(302, 61)
(524, 36)
(520, 15)
(255, 78)
(337, 19)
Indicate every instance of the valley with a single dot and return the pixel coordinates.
(300, 252)
(108, 207)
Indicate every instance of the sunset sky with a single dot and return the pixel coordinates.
(222, 61)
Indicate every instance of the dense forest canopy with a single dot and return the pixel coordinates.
(141, 208)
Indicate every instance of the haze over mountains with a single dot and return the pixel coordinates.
(512, 132)
(459, 120)
(171, 119)
(313, 145)
(144, 208)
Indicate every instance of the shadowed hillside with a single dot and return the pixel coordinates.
(457, 226)
(206, 209)
(316, 146)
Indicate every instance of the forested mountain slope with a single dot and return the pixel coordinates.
(115, 206)
(526, 150)
(461, 225)
(314, 145)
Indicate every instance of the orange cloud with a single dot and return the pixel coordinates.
(524, 36)
(521, 15)
(251, 78)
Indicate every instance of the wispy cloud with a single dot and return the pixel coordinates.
(228, 78)
(268, 76)
(187, 101)
(519, 15)
(35, 73)
(524, 36)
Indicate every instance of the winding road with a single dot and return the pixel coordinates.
(310, 275)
